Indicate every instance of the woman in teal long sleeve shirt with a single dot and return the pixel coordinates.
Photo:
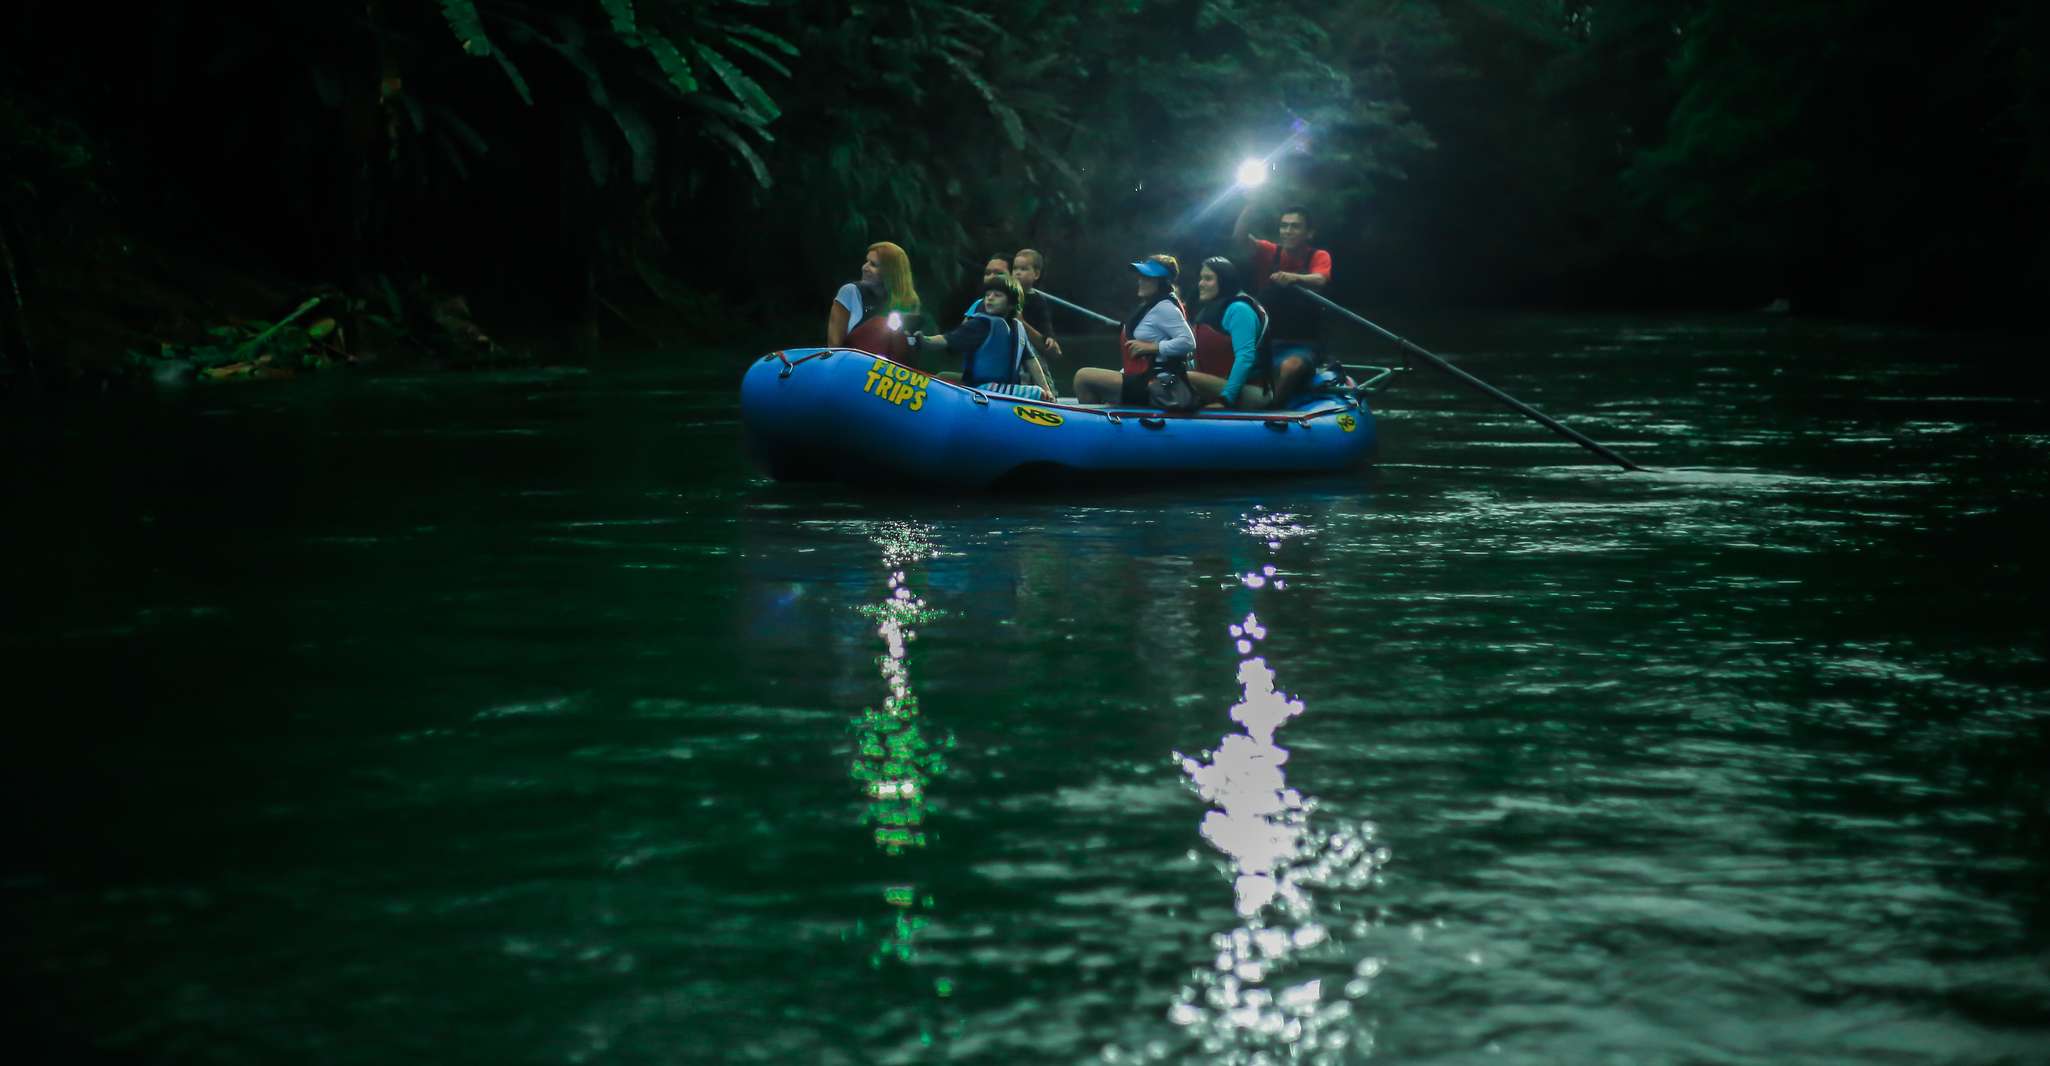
(1233, 364)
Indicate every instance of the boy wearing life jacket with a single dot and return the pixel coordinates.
(991, 343)
(1034, 313)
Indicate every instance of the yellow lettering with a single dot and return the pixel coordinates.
(875, 374)
(918, 399)
(1036, 416)
(903, 393)
(900, 373)
(918, 381)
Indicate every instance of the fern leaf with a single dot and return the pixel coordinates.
(462, 130)
(743, 87)
(468, 26)
(762, 35)
(596, 158)
(621, 12)
(767, 60)
(978, 20)
(513, 73)
(741, 116)
(1014, 127)
(743, 150)
(572, 52)
(454, 155)
(674, 66)
(640, 138)
(414, 113)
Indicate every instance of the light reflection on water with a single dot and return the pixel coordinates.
(896, 760)
(1740, 760)
(1272, 992)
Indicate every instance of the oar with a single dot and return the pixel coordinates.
(1478, 385)
(1079, 309)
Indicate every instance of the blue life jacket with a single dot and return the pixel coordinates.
(997, 361)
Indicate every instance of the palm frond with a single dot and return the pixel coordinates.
(743, 87)
(674, 66)
(767, 60)
(467, 23)
(621, 12)
(1014, 127)
(640, 138)
(744, 150)
(761, 35)
(597, 158)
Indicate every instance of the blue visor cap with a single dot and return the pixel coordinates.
(1152, 269)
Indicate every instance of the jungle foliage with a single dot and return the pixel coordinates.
(582, 159)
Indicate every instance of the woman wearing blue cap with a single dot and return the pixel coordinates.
(1155, 339)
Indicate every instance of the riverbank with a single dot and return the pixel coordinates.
(109, 281)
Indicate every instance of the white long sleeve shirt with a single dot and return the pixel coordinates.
(1166, 324)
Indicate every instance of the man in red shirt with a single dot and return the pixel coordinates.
(1280, 271)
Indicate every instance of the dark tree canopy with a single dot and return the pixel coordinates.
(734, 157)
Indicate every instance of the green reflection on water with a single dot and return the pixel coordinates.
(895, 760)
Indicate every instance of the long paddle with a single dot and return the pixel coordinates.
(1478, 385)
(1079, 309)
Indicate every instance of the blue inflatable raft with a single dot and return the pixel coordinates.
(841, 414)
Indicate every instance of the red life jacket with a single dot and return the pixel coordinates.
(874, 336)
(1134, 364)
(1214, 352)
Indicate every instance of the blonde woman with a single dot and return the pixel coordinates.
(861, 311)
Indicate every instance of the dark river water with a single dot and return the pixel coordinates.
(510, 718)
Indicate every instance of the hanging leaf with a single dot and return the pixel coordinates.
(468, 25)
(326, 87)
(513, 73)
(570, 49)
(767, 60)
(454, 155)
(743, 87)
(622, 14)
(744, 150)
(463, 131)
(596, 157)
(1014, 127)
(414, 113)
(979, 20)
(761, 35)
(640, 137)
(674, 66)
(728, 110)
(391, 297)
